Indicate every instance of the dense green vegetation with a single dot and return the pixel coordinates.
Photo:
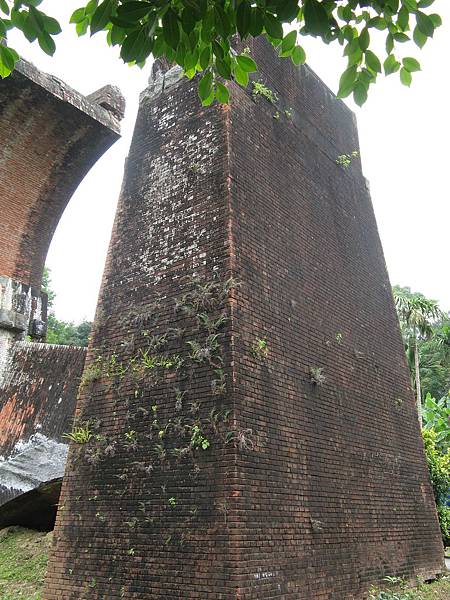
(197, 34)
(426, 334)
(63, 332)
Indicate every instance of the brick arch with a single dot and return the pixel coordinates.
(51, 137)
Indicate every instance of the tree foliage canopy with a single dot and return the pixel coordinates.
(197, 34)
(63, 332)
(426, 330)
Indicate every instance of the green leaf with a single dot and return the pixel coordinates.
(171, 29)
(222, 93)
(51, 25)
(210, 99)
(436, 20)
(425, 24)
(223, 67)
(411, 64)
(347, 82)
(205, 86)
(288, 43)
(378, 23)
(101, 16)
(419, 38)
(389, 43)
(298, 56)
(133, 11)
(136, 46)
(287, 10)
(29, 29)
(7, 61)
(4, 7)
(411, 5)
(240, 76)
(243, 18)
(316, 17)
(91, 6)
(217, 49)
(246, 63)
(391, 65)
(403, 18)
(405, 77)
(360, 93)
(188, 20)
(82, 27)
(117, 35)
(77, 15)
(400, 37)
(273, 26)
(364, 39)
(46, 43)
(256, 22)
(205, 57)
(372, 61)
(35, 20)
(222, 23)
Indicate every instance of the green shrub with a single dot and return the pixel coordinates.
(438, 466)
(439, 471)
(444, 522)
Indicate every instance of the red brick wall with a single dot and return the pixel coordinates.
(51, 136)
(338, 484)
(37, 404)
(305, 491)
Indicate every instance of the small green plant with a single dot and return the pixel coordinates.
(172, 502)
(396, 590)
(91, 373)
(198, 440)
(100, 517)
(339, 337)
(316, 375)
(262, 91)
(276, 116)
(218, 384)
(345, 160)
(80, 434)
(260, 348)
(288, 113)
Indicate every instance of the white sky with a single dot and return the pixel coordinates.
(404, 136)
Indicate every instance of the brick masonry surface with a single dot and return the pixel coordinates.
(51, 136)
(37, 406)
(254, 433)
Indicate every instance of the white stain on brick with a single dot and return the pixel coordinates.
(32, 462)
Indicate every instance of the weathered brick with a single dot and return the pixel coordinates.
(321, 490)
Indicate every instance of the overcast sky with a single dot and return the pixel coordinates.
(404, 137)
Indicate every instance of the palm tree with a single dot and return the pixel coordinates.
(416, 314)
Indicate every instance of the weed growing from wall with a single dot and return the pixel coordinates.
(168, 387)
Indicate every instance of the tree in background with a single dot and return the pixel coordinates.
(198, 35)
(426, 334)
(418, 317)
(62, 332)
(434, 360)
